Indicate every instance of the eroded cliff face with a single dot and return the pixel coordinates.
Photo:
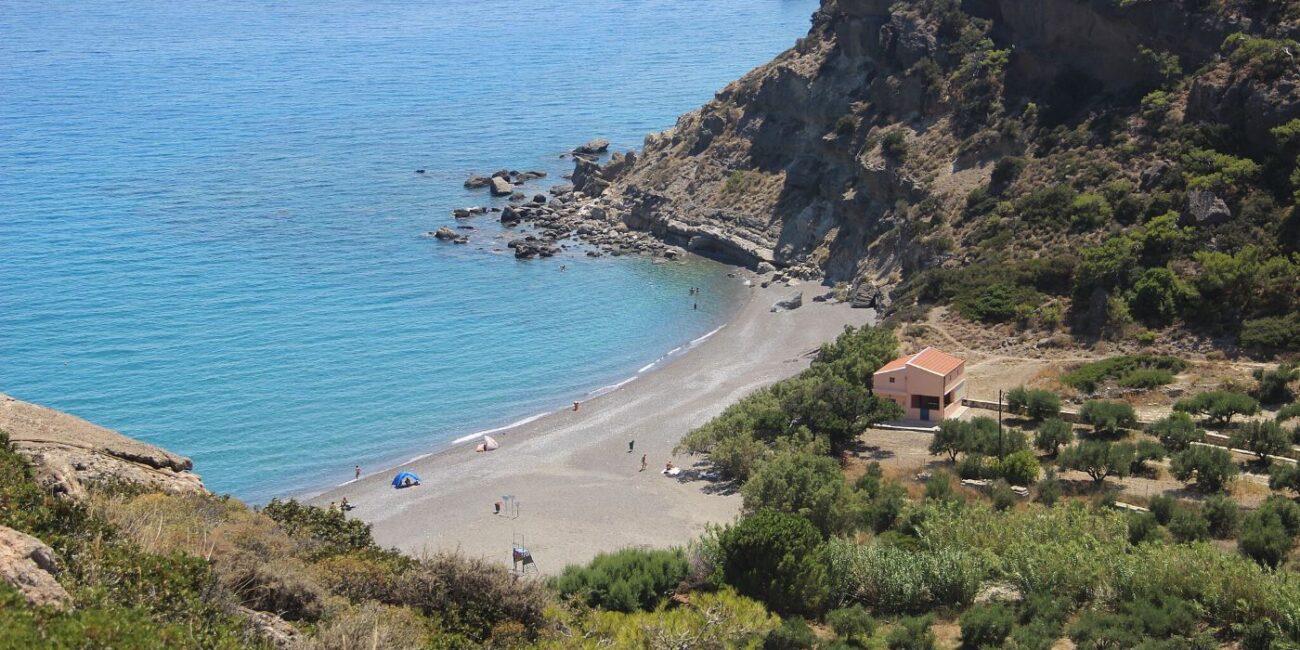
(67, 451)
(785, 165)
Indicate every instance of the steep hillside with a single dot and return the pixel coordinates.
(1093, 163)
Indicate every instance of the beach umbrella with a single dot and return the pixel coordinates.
(490, 443)
(401, 478)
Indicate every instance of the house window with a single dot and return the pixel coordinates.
(925, 402)
(891, 380)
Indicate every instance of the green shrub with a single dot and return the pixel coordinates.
(1210, 468)
(1108, 418)
(1002, 496)
(1262, 438)
(1144, 452)
(793, 634)
(330, 527)
(810, 486)
(1264, 538)
(626, 580)
(1176, 432)
(1274, 386)
(1189, 525)
(1287, 511)
(1052, 435)
(1288, 412)
(1271, 334)
(1223, 516)
(1146, 378)
(1266, 58)
(1162, 507)
(1089, 211)
(1038, 404)
(1143, 527)
(986, 626)
(1284, 476)
(852, 624)
(1098, 459)
(939, 488)
(911, 634)
(894, 144)
(1089, 377)
(974, 466)
(1019, 468)
(1218, 405)
(892, 579)
(776, 558)
(1049, 489)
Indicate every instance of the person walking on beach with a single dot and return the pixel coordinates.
(357, 471)
(575, 405)
(630, 445)
(643, 462)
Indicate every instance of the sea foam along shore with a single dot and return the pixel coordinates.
(579, 488)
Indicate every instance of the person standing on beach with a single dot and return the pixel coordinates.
(643, 462)
(575, 405)
(630, 445)
(357, 471)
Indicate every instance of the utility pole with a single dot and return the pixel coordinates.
(999, 424)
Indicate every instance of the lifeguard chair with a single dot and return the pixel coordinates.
(521, 559)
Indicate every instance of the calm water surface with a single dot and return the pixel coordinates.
(210, 228)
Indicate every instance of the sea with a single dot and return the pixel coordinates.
(212, 232)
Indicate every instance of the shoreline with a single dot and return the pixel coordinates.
(740, 295)
(578, 489)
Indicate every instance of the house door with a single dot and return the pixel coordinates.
(925, 414)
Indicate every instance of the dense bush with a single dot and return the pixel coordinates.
(1189, 525)
(1098, 459)
(1038, 404)
(793, 634)
(776, 558)
(986, 626)
(1019, 468)
(911, 634)
(1223, 516)
(1162, 507)
(1108, 418)
(1090, 376)
(1274, 386)
(1285, 476)
(1262, 438)
(330, 528)
(803, 484)
(1210, 468)
(624, 581)
(1264, 538)
(892, 579)
(1146, 451)
(1218, 405)
(853, 624)
(1053, 434)
(1176, 432)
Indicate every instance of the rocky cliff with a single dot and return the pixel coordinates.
(67, 451)
(854, 155)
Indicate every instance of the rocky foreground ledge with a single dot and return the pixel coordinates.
(67, 452)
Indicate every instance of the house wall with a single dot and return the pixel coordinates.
(909, 381)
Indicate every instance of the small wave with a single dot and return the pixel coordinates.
(704, 338)
(517, 423)
(675, 350)
(605, 390)
(647, 367)
(415, 458)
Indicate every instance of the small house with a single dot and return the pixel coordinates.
(928, 385)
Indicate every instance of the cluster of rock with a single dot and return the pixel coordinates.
(503, 182)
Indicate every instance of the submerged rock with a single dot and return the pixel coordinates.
(477, 182)
(592, 147)
(444, 234)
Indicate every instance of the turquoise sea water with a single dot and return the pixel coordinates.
(210, 225)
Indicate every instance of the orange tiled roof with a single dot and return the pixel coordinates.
(930, 359)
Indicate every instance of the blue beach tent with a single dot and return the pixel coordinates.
(402, 477)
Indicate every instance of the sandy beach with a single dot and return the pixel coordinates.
(579, 490)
